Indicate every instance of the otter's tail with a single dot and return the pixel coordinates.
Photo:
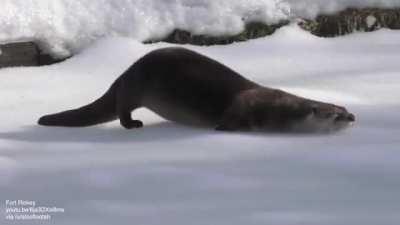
(100, 111)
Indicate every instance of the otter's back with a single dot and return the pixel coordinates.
(188, 83)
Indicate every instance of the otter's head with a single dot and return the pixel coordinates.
(293, 114)
(324, 117)
(276, 110)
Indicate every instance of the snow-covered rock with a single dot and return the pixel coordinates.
(65, 27)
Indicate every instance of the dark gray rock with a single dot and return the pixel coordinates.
(252, 30)
(19, 54)
(350, 20)
(24, 54)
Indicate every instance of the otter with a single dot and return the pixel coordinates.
(186, 87)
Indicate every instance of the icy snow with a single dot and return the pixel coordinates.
(166, 173)
(65, 27)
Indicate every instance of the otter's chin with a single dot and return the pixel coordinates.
(341, 125)
(347, 118)
(314, 125)
(343, 122)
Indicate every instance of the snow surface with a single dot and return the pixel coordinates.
(65, 27)
(166, 173)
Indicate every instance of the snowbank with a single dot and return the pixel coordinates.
(64, 27)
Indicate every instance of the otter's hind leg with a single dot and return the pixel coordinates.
(234, 118)
(127, 101)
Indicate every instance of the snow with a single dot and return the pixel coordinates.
(64, 27)
(166, 173)
(370, 20)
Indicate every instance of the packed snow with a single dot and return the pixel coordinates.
(166, 173)
(65, 27)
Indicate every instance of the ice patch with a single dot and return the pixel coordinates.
(8, 169)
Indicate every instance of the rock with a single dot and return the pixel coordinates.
(252, 30)
(19, 54)
(350, 20)
(24, 54)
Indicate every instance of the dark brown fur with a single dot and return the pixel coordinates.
(186, 87)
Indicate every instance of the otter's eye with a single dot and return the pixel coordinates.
(314, 109)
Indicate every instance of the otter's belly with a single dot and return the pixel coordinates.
(183, 112)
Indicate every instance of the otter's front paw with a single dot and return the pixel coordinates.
(223, 127)
(132, 124)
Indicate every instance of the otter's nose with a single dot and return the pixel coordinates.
(346, 117)
(351, 117)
